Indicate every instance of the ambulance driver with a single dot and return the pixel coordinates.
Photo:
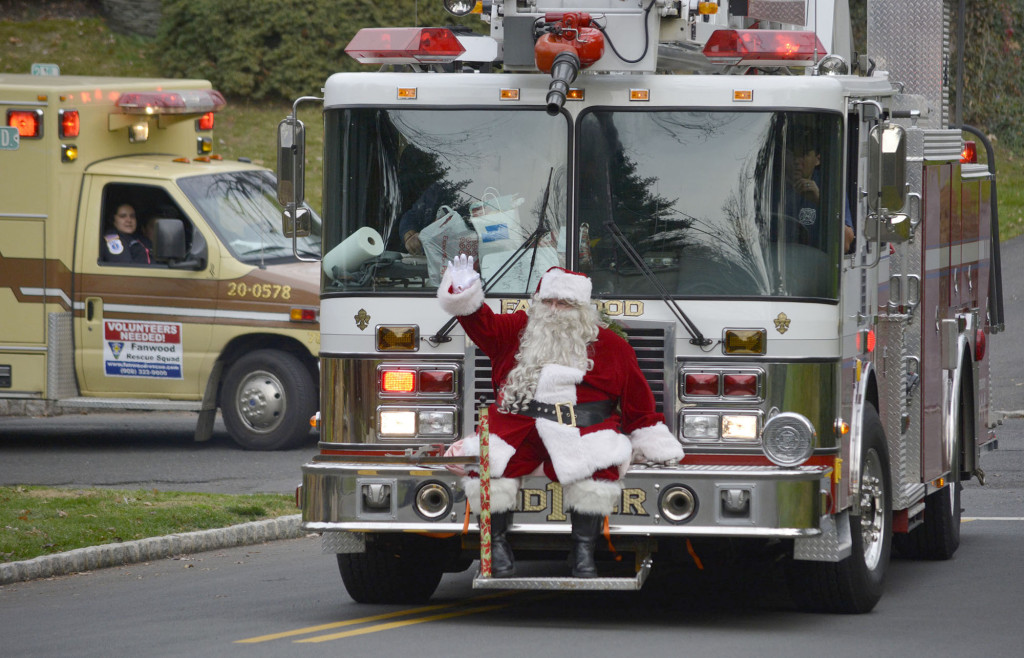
(122, 243)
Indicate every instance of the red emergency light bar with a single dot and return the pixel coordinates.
(193, 101)
(404, 45)
(764, 47)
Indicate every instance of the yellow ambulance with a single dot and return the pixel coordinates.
(138, 270)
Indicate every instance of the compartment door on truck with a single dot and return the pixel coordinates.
(141, 328)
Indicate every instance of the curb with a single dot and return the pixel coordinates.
(153, 548)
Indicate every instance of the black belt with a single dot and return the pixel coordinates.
(567, 413)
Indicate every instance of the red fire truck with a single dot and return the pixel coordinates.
(821, 357)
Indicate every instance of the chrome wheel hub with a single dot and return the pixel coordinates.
(261, 402)
(872, 510)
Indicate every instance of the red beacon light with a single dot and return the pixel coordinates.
(405, 45)
(192, 101)
(970, 153)
(764, 47)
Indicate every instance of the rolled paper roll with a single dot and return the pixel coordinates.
(353, 251)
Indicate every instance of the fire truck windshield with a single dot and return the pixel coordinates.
(719, 204)
(427, 184)
(716, 203)
(242, 208)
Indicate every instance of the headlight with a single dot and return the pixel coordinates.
(700, 427)
(437, 423)
(788, 439)
(739, 428)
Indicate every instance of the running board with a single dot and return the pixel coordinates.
(539, 583)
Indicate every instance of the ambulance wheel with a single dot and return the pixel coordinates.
(393, 570)
(938, 536)
(267, 399)
(854, 585)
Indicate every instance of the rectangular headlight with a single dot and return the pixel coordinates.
(397, 422)
(437, 422)
(739, 428)
(700, 427)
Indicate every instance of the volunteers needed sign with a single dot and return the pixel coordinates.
(142, 349)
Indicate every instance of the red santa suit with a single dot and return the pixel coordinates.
(590, 458)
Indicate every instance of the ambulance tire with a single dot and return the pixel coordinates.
(267, 399)
(938, 536)
(854, 585)
(393, 571)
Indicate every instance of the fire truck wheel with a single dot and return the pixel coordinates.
(854, 585)
(938, 536)
(267, 399)
(394, 570)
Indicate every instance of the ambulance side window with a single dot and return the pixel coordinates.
(127, 229)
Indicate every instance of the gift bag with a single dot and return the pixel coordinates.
(497, 223)
(444, 239)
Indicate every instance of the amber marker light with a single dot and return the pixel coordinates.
(509, 94)
(407, 93)
(397, 338)
(639, 94)
(302, 314)
(743, 95)
(745, 341)
(575, 95)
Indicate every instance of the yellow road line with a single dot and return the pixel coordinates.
(363, 620)
(408, 622)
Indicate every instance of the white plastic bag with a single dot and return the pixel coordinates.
(444, 239)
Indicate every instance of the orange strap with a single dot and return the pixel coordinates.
(607, 532)
(693, 554)
(465, 523)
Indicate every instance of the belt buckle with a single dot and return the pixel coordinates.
(571, 411)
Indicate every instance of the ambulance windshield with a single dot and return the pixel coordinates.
(417, 187)
(242, 208)
(720, 204)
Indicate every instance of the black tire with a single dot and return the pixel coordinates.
(394, 570)
(938, 536)
(854, 585)
(267, 399)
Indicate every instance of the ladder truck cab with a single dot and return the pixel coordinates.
(784, 230)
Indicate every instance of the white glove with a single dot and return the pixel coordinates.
(463, 274)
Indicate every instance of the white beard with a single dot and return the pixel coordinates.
(552, 336)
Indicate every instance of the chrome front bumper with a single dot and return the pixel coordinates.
(730, 501)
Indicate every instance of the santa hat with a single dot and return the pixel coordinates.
(560, 283)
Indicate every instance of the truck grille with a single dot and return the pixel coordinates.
(651, 342)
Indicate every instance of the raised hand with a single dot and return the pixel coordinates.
(463, 274)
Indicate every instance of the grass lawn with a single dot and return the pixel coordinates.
(38, 521)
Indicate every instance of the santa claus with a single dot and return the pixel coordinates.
(571, 401)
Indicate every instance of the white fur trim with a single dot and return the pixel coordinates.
(560, 284)
(461, 303)
(499, 452)
(592, 496)
(504, 493)
(656, 444)
(575, 457)
(557, 383)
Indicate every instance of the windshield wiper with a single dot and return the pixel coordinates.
(696, 337)
(533, 241)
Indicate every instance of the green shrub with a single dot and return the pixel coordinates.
(277, 49)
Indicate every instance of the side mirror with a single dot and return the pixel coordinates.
(168, 240)
(291, 161)
(887, 169)
(296, 223)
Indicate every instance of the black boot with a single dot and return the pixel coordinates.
(503, 564)
(585, 530)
